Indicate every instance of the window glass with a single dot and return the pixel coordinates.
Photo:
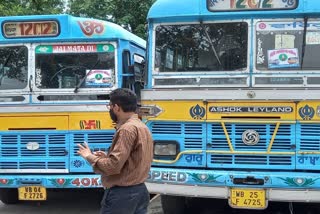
(70, 66)
(280, 45)
(199, 48)
(13, 67)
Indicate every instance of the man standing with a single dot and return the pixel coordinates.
(126, 165)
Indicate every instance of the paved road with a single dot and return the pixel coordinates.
(66, 202)
(89, 202)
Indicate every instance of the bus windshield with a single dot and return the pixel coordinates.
(67, 66)
(201, 47)
(287, 45)
(13, 67)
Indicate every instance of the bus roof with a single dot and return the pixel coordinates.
(70, 29)
(191, 10)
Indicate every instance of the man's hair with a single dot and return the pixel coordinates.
(124, 98)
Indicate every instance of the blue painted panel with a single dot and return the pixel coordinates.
(58, 149)
(190, 136)
(52, 153)
(96, 140)
(270, 179)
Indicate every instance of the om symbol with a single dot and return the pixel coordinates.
(91, 27)
(289, 2)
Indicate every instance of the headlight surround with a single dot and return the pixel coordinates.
(166, 148)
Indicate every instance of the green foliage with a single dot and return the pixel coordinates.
(30, 7)
(131, 14)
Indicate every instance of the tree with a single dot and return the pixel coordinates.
(131, 14)
(30, 7)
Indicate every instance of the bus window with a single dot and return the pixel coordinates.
(13, 67)
(201, 47)
(126, 61)
(67, 70)
(280, 45)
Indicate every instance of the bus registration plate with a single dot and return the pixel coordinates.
(32, 193)
(248, 198)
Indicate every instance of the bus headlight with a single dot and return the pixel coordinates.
(165, 148)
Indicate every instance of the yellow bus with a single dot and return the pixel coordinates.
(233, 101)
(56, 73)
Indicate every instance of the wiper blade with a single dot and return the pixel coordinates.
(85, 76)
(211, 44)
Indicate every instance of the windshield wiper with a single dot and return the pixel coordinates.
(85, 77)
(211, 44)
(305, 21)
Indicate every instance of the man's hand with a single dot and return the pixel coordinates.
(84, 150)
(101, 154)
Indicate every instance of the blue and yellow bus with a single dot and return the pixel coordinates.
(56, 73)
(233, 101)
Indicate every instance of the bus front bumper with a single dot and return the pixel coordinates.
(278, 186)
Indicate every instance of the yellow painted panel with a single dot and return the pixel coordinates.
(68, 121)
(179, 110)
(34, 122)
(91, 121)
(199, 111)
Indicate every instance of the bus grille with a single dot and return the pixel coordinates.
(308, 137)
(50, 157)
(283, 142)
(211, 138)
(189, 135)
(57, 152)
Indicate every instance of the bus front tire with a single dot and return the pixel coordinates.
(173, 204)
(9, 196)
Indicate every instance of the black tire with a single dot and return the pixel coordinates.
(9, 196)
(173, 204)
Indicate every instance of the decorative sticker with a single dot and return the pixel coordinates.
(283, 58)
(61, 182)
(299, 182)
(99, 78)
(306, 112)
(192, 158)
(197, 112)
(78, 163)
(6, 181)
(250, 109)
(260, 55)
(287, 25)
(72, 48)
(170, 176)
(204, 178)
(313, 38)
(91, 27)
(86, 182)
(309, 160)
(90, 124)
(284, 41)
